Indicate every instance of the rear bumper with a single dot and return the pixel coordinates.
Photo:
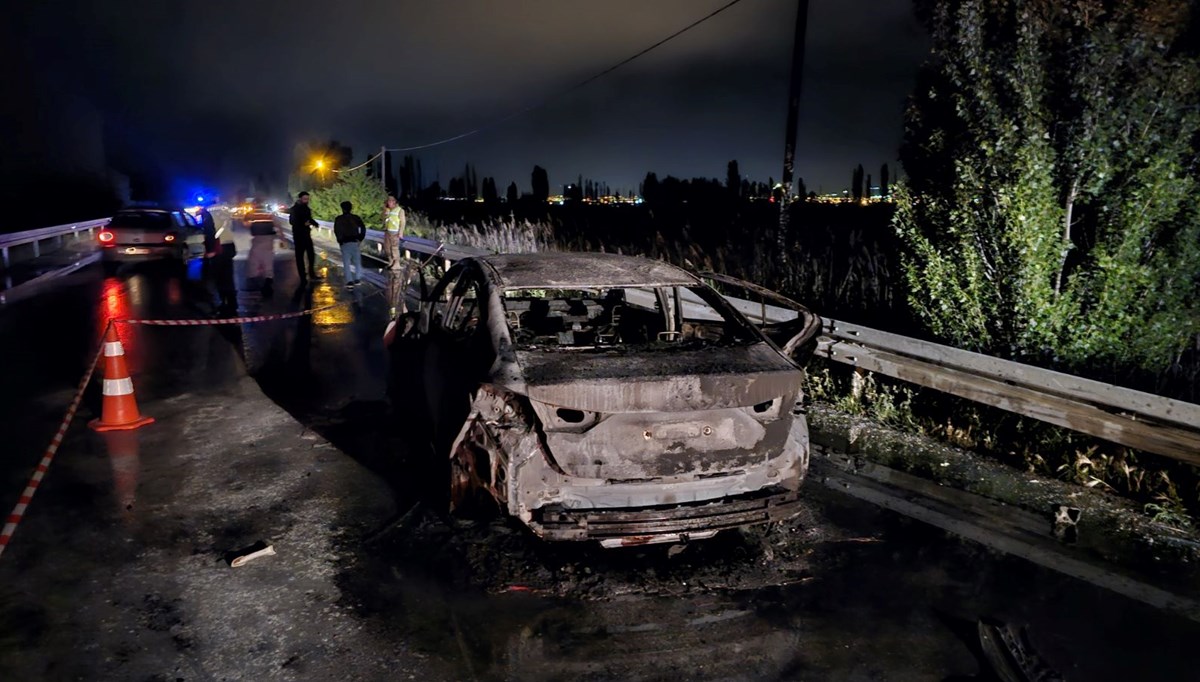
(137, 252)
(673, 523)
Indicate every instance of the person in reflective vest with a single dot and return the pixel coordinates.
(393, 230)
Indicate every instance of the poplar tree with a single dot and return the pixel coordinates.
(1049, 208)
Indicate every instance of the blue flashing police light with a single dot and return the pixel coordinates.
(199, 198)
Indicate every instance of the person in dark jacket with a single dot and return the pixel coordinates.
(350, 230)
(301, 220)
(219, 250)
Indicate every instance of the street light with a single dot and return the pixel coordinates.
(319, 167)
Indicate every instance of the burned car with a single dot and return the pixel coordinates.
(608, 397)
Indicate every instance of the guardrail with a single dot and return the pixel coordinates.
(36, 237)
(1143, 421)
(1139, 420)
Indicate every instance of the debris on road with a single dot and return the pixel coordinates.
(1066, 523)
(245, 556)
(1013, 659)
(502, 557)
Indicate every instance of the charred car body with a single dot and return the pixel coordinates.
(597, 396)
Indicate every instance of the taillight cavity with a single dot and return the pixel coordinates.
(766, 411)
(565, 419)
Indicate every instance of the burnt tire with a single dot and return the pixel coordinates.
(470, 465)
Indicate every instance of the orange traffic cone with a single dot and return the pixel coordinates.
(120, 409)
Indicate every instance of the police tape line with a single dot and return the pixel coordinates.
(18, 512)
(205, 322)
(208, 322)
(39, 472)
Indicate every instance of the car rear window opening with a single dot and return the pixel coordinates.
(143, 221)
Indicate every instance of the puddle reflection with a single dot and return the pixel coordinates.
(123, 455)
(116, 303)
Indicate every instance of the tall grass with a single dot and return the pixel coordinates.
(842, 260)
(503, 235)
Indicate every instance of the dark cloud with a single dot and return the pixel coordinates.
(229, 87)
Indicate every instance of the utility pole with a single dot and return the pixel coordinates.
(383, 167)
(793, 119)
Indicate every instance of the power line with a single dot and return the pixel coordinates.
(573, 88)
(349, 170)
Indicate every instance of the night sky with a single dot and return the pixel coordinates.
(222, 90)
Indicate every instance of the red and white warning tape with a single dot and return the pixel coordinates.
(227, 320)
(205, 322)
(18, 512)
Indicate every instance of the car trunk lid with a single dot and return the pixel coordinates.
(670, 380)
(661, 415)
(149, 229)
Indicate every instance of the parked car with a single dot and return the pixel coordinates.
(142, 234)
(607, 397)
(257, 213)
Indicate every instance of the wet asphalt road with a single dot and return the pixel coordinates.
(868, 595)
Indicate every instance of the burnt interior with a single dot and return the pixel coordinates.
(550, 319)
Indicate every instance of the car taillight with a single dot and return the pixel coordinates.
(106, 237)
(169, 238)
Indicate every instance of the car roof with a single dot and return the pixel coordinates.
(559, 270)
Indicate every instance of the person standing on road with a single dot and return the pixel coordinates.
(219, 250)
(261, 263)
(393, 226)
(350, 230)
(393, 231)
(301, 220)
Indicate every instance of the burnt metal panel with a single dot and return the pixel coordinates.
(653, 445)
(565, 366)
(562, 523)
(561, 270)
(673, 381)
